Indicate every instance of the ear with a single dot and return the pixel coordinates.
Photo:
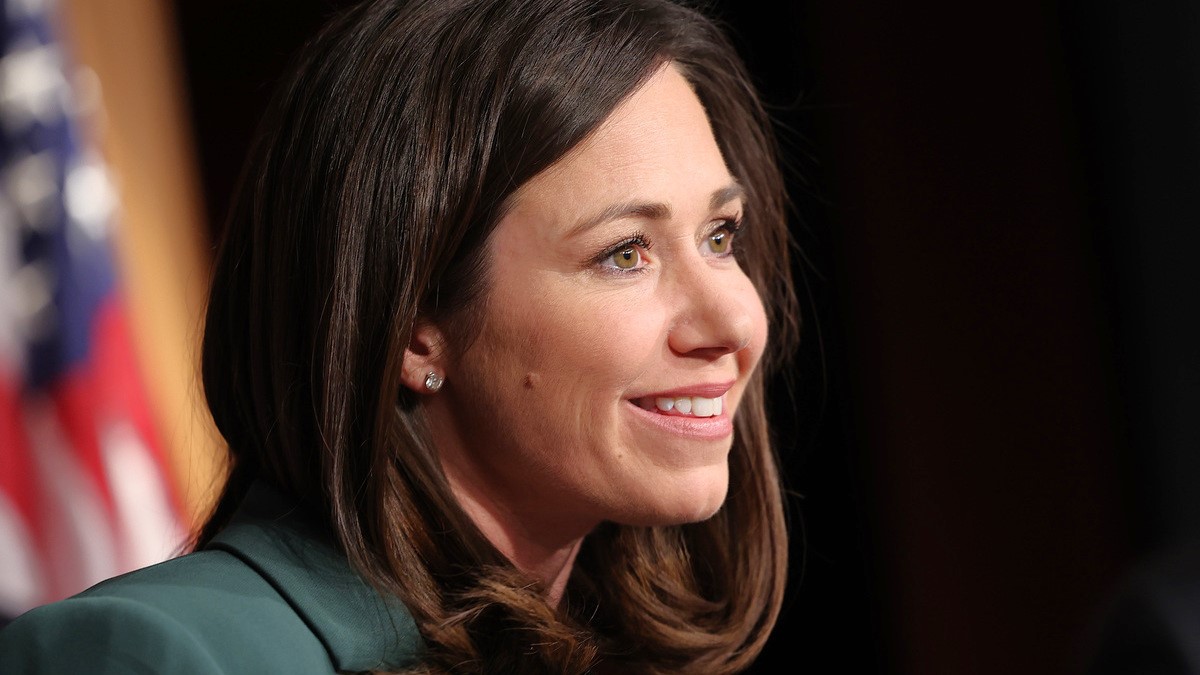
(425, 354)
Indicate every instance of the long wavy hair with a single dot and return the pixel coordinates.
(381, 167)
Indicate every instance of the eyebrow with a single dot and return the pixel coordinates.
(651, 210)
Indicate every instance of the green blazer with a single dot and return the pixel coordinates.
(268, 595)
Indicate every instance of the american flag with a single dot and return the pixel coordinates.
(84, 489)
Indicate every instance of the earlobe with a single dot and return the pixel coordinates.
(424, 368)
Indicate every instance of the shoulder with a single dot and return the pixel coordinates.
(269, 594)
(102, 635)
(202, 613)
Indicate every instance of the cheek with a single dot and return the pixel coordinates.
(554, 377)
(576, 335)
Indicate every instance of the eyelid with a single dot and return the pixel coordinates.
(637, 239)
(731, 224)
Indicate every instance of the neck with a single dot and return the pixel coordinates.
(553, 570)
(540, 552)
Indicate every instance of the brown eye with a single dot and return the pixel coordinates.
(721, 241)
(627, 258)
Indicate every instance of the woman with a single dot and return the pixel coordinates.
(484, 340)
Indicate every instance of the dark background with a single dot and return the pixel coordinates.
(992, 419)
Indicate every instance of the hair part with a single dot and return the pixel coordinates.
(380, 170)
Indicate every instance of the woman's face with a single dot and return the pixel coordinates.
(618, 333)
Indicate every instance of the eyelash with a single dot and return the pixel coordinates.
(639, 239)
(731, 224)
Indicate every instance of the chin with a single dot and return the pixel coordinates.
(687, 500)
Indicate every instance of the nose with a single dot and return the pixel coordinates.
(716, 309)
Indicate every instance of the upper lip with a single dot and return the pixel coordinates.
(706, 390)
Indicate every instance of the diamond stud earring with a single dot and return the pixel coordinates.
(433, 381)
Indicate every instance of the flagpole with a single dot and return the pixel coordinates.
(162, 246)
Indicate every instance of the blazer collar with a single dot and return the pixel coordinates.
(360, 628)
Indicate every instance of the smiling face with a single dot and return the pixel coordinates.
(617, 336)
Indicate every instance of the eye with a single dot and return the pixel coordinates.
(627, 258)
(720, 240)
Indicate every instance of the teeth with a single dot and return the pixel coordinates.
(696, 406)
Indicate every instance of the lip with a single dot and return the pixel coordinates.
(712, 428)
(707, 390)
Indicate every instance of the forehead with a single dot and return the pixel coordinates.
(657, 145)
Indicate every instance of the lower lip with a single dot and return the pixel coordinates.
(712, 428)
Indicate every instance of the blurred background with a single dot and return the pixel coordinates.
(991, 420)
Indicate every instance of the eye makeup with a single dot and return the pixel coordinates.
(637, 241)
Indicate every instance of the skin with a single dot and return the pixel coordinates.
(536, 425)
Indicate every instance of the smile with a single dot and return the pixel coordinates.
(682, 406)
(697, 411)
(715, 426)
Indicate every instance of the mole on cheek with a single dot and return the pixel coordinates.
(532, 380)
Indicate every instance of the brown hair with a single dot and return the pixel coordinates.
(381, 167)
